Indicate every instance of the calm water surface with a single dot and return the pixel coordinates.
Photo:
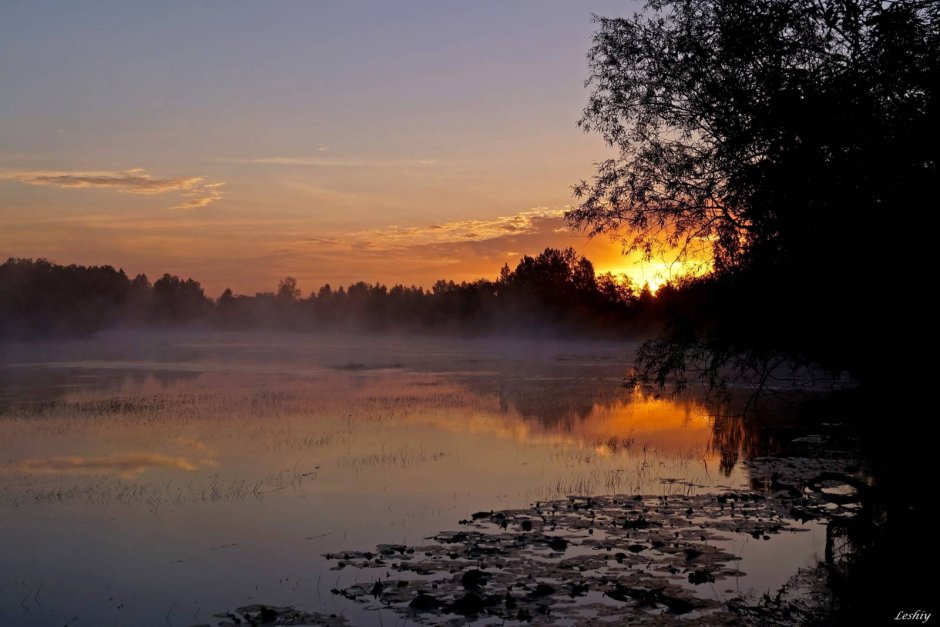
(158, 480)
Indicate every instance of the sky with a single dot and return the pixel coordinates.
(242, 142)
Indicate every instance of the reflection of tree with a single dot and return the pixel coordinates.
(737, 437)
(544, 393)
(739, 434)
(553, 406)
(570, 406)
(34, 390)
(728, 436)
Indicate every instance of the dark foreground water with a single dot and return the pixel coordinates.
(162, 479)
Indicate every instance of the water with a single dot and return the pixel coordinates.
(159, 479)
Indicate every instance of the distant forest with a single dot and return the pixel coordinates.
(556, 292)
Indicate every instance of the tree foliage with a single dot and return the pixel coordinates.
(792, 139)
(761, 127)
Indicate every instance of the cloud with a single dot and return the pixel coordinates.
(323, 162)
(196, 191)
(474, 248)
(203, 196)
(461, 250)
(522, 223)
(134, 181)
(323, 241)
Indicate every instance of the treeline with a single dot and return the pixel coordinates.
(554, 292)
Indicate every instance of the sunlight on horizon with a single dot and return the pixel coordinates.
(657, 272)
(654, 274)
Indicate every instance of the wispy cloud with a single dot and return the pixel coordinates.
(522, 223)
(458, 249)
(197, 192)
(324, 162)
(135, 181)
(202, 196)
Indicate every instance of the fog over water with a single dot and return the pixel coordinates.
(161, 478)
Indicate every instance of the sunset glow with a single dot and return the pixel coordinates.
(654, 273)
(347, 143)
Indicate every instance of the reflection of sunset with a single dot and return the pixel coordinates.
(663, 423)
(555, 432)
(637, 422)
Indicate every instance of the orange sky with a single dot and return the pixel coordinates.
(332, 143)
(254, 255)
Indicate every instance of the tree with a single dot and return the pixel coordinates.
(176, 300)
(38, 297)
(287, 291)
(783, 137)
(554, 275)
(796, 141)
(718, 107)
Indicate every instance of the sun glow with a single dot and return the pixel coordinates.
(655, 274)
(665, 266)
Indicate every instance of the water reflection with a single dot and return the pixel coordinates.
(600, 413)
(594, 414)
(622, 422)
(276, 455)
(529, 440)
(126, 465)
(44, 385)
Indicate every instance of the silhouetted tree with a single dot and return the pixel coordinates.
(139, 301)
(779, 135)
(176, 300)
(287, 290)
(39, 297)
(555, 291)
(616, 290)
(797, 142)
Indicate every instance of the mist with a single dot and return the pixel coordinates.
(556, 293)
